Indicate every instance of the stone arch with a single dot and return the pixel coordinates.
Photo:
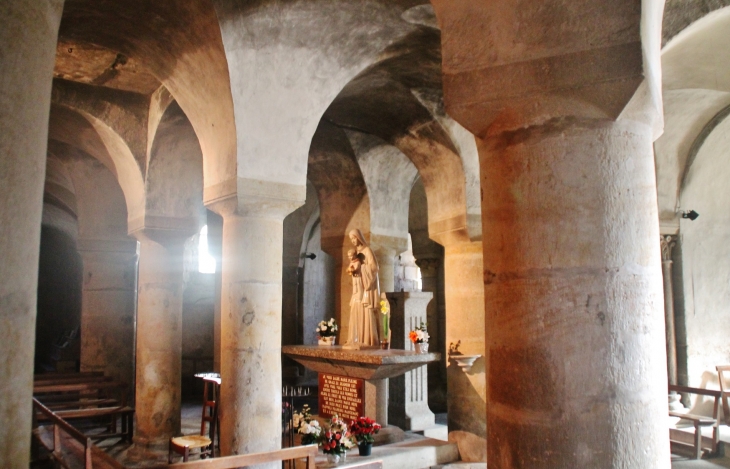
(59, 191)
(411, 128)
(344, 204)
(174, 182)
(696, 65)
(181, 46)
(88, 133)
(295, 72)
(341, 190)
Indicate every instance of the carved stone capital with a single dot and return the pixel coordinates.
(667, 243)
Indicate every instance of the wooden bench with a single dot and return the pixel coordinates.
(86, 397)
(69, 447)
(80, 394)
(697, 442)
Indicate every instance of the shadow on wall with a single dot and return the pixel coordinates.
(60, 274)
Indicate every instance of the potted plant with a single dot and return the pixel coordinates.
(363, 430)
(326, 332)
(307, 426)
(336, 440)
(419, 336)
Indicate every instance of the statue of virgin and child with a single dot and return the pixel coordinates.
(365, 300)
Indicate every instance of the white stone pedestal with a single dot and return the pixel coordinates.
(408, 393)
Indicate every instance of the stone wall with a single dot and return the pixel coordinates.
(705, 250)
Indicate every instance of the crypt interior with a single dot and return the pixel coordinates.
(178, 181)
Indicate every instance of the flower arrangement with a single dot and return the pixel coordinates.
(385, 322)
(336, 439)
(419, 335)
(307, 426)
(363, 429)
(327, 328)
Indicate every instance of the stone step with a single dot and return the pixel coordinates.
(415, 452)
(462, 465)
(437, 432)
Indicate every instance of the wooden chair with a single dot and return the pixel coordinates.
(724, 391)
(205, 445)
(211, 394)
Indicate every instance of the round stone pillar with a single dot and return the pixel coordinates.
(251, 333)
(573, 293)
(28, 39)
(107, 307)
(159, 340)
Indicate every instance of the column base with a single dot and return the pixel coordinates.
(146, 451)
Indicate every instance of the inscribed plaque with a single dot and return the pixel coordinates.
(340, 395)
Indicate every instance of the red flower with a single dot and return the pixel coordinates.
(338, 436)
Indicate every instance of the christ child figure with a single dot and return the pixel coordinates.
(355, 262)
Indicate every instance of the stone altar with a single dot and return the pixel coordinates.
(374, 366)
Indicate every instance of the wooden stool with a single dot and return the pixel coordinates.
(183, 444)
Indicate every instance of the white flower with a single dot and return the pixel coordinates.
(323, 327)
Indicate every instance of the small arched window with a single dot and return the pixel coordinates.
(206, 262)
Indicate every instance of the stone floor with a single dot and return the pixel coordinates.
(428, 452)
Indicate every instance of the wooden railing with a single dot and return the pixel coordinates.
(229, 462)
(79, 443)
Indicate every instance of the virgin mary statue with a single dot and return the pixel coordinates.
(365, 293)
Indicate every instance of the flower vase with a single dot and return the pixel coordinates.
(326, 340)
(365, 448)
(422, 347)
(336, 459)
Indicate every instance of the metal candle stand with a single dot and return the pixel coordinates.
(288, 393)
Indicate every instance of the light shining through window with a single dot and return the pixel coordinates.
(206, 262)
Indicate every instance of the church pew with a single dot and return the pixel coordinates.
(88, 403)
(68, 446)
(57, 377)
(57, 393)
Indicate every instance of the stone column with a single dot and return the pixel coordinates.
(408, 394)
(466, 392)
(108, 307)
(667, 242)
(251, 321)
(572, 291)
(159, 338)
(28, 39)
